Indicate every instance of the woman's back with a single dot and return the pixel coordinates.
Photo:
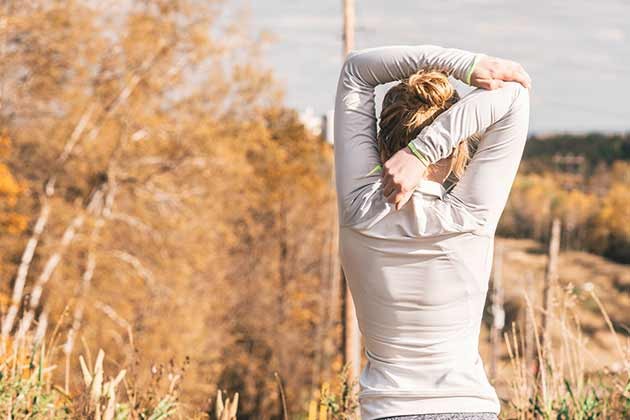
(419, 302)
(419, 276)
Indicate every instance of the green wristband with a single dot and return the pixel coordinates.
(425, 160)
(471, 68)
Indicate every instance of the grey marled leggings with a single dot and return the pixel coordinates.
(446, 416)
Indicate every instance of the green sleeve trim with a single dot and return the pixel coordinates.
(376, 169)
(471, 68)
(425, 160)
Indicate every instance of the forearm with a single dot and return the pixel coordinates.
(473, 114)
(486, 182)
(356, 152)
(373, 66)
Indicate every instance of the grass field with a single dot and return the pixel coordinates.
(584, 371)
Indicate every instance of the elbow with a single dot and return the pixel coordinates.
(516, 89)
(519, 92)
(351, 58)
(353, 69)
(348, 69)
(520, 98)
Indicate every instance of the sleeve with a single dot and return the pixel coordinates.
(501, 118)
(356, 152)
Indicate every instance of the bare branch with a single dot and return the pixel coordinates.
(25, 264)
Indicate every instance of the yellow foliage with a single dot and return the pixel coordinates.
(614, 213)
(13, 223)
(591, 215)
(11, 190)
(9, 187)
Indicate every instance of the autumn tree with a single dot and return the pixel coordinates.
(176, 209)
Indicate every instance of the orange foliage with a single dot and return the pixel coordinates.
(190, 213)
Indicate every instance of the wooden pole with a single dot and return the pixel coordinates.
(498, 313)
(348, 26)
(529, 349)
(352, 337)
(551, 279)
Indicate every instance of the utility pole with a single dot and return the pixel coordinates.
(348, 26)
(351, 335)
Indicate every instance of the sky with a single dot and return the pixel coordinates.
(576, 51)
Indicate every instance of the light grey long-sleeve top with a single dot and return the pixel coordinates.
(419, 276)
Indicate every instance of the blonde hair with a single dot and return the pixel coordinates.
(410, 106)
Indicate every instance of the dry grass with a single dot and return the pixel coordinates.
(559, 385)
(583, 372)
(28, 390)
(338, 403)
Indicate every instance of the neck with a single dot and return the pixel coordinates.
(437, 179)
(437, 174)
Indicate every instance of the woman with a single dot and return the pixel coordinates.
(417, 258)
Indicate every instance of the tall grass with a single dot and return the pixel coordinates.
(28, 389)
(558, 385)
(554, 384)
(338, 403)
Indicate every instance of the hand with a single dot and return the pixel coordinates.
(401, 174)
(491, 72)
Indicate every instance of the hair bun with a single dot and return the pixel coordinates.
(410, 106)
(431, 87)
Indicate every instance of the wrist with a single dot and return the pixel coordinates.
(471, 68)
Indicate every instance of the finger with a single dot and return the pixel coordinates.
(495, 84)
(483, 83)
(391, 197)
(516, 72)
(399, 197)
(387, 184)
(522, 78)
(388, 190)
(402, 202)
(529, 80)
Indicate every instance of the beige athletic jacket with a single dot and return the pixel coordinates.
(419, 276)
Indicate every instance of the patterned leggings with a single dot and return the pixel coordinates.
(446, 416)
